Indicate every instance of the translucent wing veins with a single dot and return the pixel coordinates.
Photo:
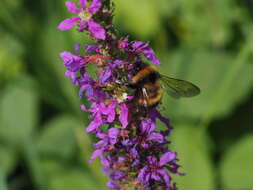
(179, 88)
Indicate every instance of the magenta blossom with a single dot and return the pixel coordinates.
(156, 170)
(134, 153)
(84, 18)
(106, 143)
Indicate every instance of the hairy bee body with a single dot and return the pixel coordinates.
(146, 81)
(149, 84)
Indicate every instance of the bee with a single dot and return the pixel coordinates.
(149, 84)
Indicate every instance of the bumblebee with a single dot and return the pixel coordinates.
(148, 85)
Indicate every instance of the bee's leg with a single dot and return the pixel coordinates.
(145, 97)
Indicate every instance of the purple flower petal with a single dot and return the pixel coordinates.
(100, 144)
(142, 173)
(72, 62)
(113, 132)
(93, 126)
(152, 160)
(155, 177)
(71, 6)
(104, 161)
(134, 152)
(156, 137)
(147, 126)
(83, 108)
(124, 115)
(72, 76)
(113, 135)
(101, 135)
(96, 30)
(95, 6)
(147, 178)
(127, 142)
(95, 154)
(124, 44)
(92, 48)
(83, 3)
(117, 175)
(68, 23)
(106, 75)
(150, 55)
(156, 114)
(82, 25)
(165, 176)
(138, 45)
(117, 63)
(76, 48)
(112, 185)
(111, 114)
(167, 157)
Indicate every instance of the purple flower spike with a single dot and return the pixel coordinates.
(132, 149)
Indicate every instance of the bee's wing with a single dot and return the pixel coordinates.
(179, 88)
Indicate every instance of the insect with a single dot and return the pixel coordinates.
(148, 84)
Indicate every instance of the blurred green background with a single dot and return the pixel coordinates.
(43, 144)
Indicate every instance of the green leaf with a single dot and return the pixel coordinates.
(236, 165)
(194, 159)
(58, 137)
(63, 177)
(73, 179)
(3, 185)
(135, 12)
(56, 88)
(18, 108)
(85, 144)
(7, 159)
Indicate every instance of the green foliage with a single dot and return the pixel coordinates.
(19, 108)
(192, 150)
(42, 130)
(3, 185)
(238, 176)
(58, 137)
(62, 177)
(8, 160)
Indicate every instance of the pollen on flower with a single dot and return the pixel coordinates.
(84, 15)
(122, 98)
